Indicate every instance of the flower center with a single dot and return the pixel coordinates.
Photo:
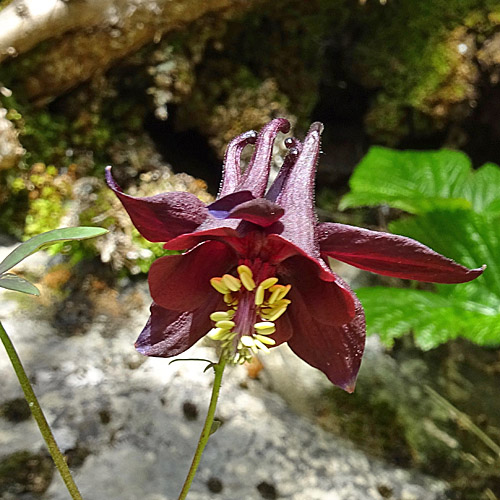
(246, 327)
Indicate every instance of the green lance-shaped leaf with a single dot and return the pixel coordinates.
(215, 426)
(45, 239)
(18, 284)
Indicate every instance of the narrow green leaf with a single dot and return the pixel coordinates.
(215, 426)
(18, 284)
(45, 239)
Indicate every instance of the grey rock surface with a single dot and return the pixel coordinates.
(140, 420)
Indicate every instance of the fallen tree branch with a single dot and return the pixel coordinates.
(88, 36)
(26, 23)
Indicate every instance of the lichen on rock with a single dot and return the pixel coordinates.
(11, 150)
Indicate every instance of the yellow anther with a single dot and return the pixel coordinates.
(221, 315)
(275, 290)
(284, 291)
(244, 270)
(232, 283)
(226, 324)
(267, 331)
(219, 285)
(259, 295)
(269, 282)
(264, 339)
(261, 346)
(247, 341)
(217, 333)
(281, 303)
(276, 314)
(228, 298)
(263, 325)
(247, 281)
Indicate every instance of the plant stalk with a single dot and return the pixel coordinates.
(207, 427)
(40, 419)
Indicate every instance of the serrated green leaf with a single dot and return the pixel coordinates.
(482, 189)
(469, 238)
(421, 181)
(433, 319)
(18, 284)
(45, 239)
(457, 214)
(470, 310)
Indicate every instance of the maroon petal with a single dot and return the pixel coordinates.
(231, 169)
(329, 302)
(297, 195)
(190, 240)
(182, 282)
(335, 350)
(284, 330)
(260, 211)
(163, 216)
(168, 333)
(221, 207)
(390, 255)
(256, 175)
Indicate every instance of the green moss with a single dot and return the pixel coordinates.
(25, 472)
(242, 82)
(150, 251)
(75, 140)
(15, 410)
(4, 3)
(409, 50)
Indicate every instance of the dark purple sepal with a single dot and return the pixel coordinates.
(390, 255)
(168, 333)
(163, 216)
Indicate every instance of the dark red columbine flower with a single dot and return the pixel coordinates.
(255, 272)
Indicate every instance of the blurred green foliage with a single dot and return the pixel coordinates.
(455, 211)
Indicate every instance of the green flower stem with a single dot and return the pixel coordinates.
(37, 412)
(207, 427)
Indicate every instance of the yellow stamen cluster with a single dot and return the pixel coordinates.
(269, 305)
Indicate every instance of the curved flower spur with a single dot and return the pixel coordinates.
(254, 274)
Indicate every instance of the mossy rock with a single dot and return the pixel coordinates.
(434, 411)
(421, 56)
